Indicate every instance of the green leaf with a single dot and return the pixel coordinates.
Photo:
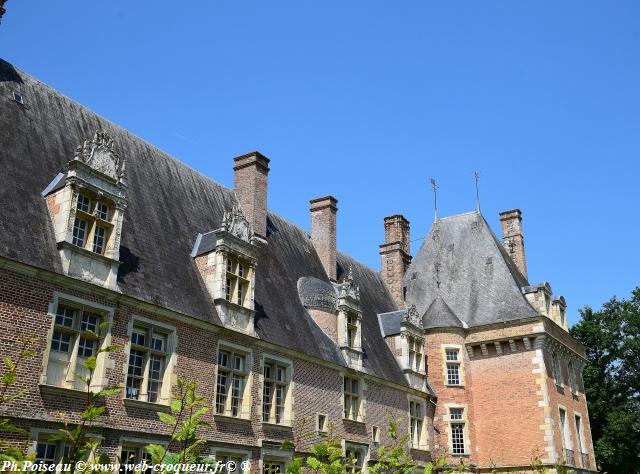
(90, 363)
(166, 418)
(9, 378)
(109, 391)
(92, 413)
(111, 348)
(9, 364)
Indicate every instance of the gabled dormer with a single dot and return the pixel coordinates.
(86, 203)
(226, 259)
(404, 334)
(350, 321)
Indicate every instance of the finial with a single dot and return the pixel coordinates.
(476, 175)
(434, 186)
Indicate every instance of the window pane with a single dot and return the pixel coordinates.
(223, 358)
(99, 239)
(156, 373)
(457, 438)
(139, 336)
(159, 342)
(236, 395)
(221, 392)
(79, 232)
(89, 322)
(86, 347)
(135, 374)
(453, 374)
(83, 203)
(64, 316)
(60, 341)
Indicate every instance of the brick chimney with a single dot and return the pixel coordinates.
(512, 238)
(250, 187)
(395, 255)
(323, 232)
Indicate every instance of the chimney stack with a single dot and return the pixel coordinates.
(323, 232)
(395, 256)
(250, 187)
(512, 238)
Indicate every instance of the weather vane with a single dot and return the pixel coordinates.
(434, 186)
(476, 175)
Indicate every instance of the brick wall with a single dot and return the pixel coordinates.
(24, 303)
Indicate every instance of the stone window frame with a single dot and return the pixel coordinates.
(102, 359)
(242, 454)
(169, 376)
(38, 435)
(459, 363)
(573, 377)
(565, 431)
(245, 408)
(325, 423)
(288, 413)
(465, 429)
(579, 431)
(423, 443)
(274, 455)
(136, 443)
(362, 448)
(375, 435)
(360, 394)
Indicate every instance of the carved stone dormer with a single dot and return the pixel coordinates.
(226, 259)
(412, 350)
(350, 321)
(86, 204)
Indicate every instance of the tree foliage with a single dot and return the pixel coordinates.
(188, 409)
(612, 381)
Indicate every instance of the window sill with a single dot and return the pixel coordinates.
(237, 419)
(349, 420)
(67, 391)
(459, 385)
(133, 403)
(424, 449)
(459, 455)
(278, 425)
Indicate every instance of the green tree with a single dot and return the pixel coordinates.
(188, 409)
(612, 381)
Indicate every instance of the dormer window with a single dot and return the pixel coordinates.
(91, 220)
(415, 353)
(236, 280)
(227, 265)
(86, 203)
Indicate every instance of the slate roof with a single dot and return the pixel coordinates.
(439, 315)
(390, 323)
(169, 204)
(462, 261)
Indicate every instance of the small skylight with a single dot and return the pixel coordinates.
(18, 98)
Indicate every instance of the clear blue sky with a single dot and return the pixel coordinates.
(368, 99)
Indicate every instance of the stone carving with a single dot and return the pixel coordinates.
(100, 155)
(413, 317)
(236, 224)
(347, 289)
